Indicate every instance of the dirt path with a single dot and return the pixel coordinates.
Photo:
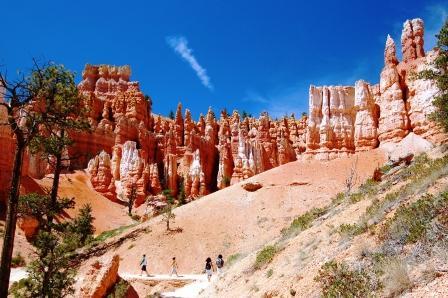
(198, 283)
(17, 274)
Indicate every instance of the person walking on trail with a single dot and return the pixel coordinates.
(219, 264)
(174, 267)
(209, 268)
(143, 264)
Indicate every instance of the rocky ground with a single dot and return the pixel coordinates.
(235, 221)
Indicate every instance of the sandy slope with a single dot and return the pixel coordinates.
(298, 260)
(108, 215)
(236, 221)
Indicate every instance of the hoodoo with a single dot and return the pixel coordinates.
(129, 146)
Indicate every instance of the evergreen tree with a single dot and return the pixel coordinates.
(25, 121)
(49, 274)
(171, 115)
(181, 197)
(245, 114)
(58, 108)
(439, 73)
(62, 112)
(168, 214)
(82, 226)
(131, 198)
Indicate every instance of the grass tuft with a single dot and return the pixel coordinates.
(232, 259)
(303, 222)
(265, 256)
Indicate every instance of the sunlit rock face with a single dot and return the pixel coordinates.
(342, 121)
(393, 122)
(100, 172)
(412, 40)
(331, 124)
(6, 154)
(366, 120)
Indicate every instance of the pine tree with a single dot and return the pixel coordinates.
(49, 273)
(82, 225)
(439, 73)
(168, 214)
(25, 121)
(131, 198)
(181, 197)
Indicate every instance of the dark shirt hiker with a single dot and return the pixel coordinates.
(209, 268)
(143, 264)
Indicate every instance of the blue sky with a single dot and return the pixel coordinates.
(246, 55)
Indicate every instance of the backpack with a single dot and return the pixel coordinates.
(219, 262)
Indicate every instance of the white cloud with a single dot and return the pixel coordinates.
(180, 46)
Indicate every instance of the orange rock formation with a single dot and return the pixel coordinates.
(131, 147)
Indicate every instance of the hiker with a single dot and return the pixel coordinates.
(143, 264)
(174, 267)
(219, 264)
(209, 268)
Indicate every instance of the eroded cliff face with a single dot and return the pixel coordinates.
(129, 147)
(346, 119)
(6, 154)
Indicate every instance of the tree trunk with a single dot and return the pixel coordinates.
(53, 202)
(168, 219)
(55, 186)
(11, 219)
(56, 177)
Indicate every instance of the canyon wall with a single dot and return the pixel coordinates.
(346, 119)
(130, 148)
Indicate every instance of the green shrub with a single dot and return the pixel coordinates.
(386, 168)
(135, 217)
(265, 256)
(232, 259)
(111, 233)
(369, 187)
(119, 290)
(18, 261)
(377, 209)
(18, 288)
(338, 280)
(422, 167)
(355, 197)
(269, 273)
(411, 221)
(352, 229)
(226, 181)
(304, 221)
(338, 199)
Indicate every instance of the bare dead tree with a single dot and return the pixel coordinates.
(17, 99)
(352, 177)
